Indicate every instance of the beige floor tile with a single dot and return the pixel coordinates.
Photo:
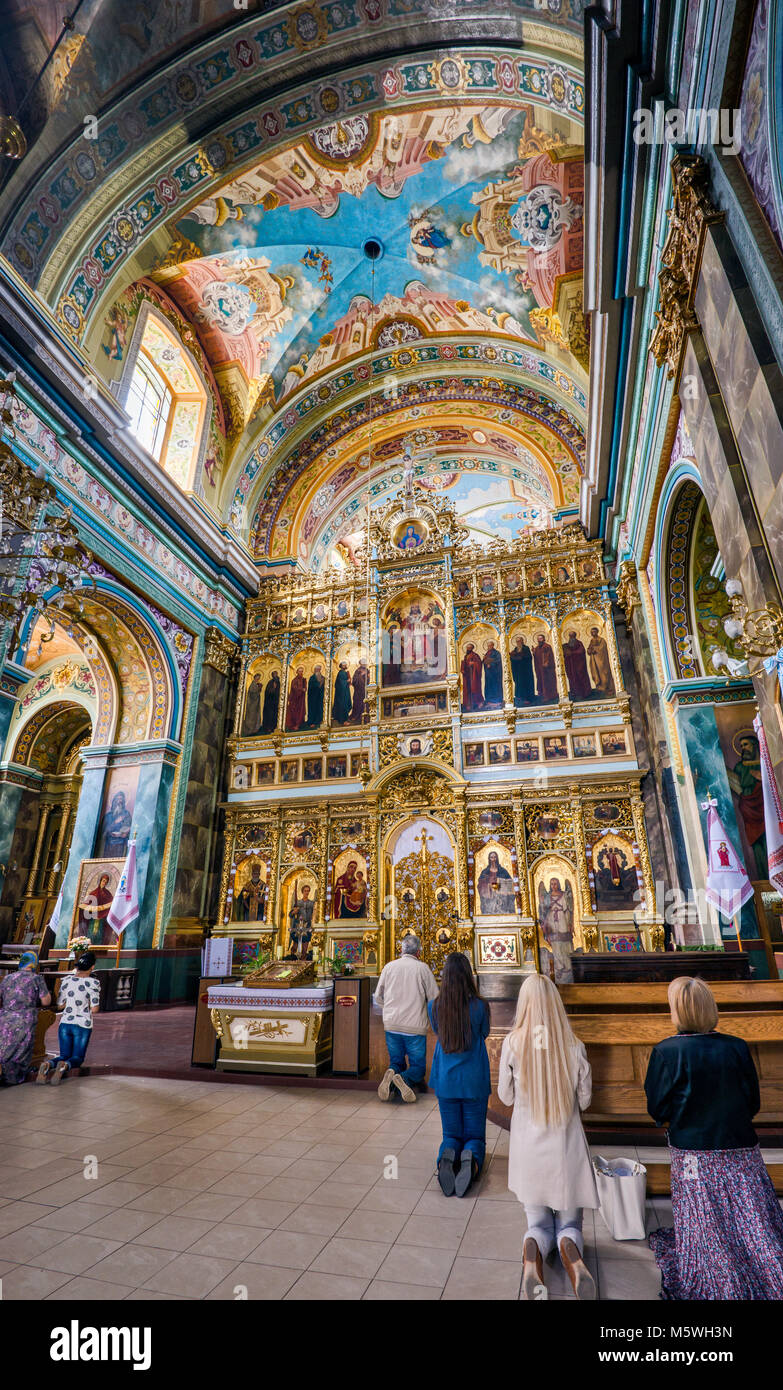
(176, 1232)
(210, 1206)
(261, 1212)
(291, 1249)
(75, 1217)
(84, 1289)
(417, 1264)
(154, 1296)
(435, 1231)
(373, 1225)
(383, 1291)
(160, 1199)
(343, 1255)
(122, 1224)
(315, 1220)
(628, 1279)
(75, 1254)
(28, 1284)
(116, 1194)
(483, 1279)
(24, 1244)
(315, 1288)
(255, 1283)
(190, 1276)
(229, 1242)
(336, 1194)
(16, 1214)
(388, 1196)
(263, 1165)
(457, 1209)
(238, 1184)
(132, 1264)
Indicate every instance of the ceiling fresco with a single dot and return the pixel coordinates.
(476, 220)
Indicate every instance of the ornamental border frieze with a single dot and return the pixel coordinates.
(240, 142)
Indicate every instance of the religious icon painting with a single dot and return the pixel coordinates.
(358, 761)
(583, 745)
(513, 581)
(527, 750)
(265, 773)
(312, 769)
(606, 812)
(555, 747)
(410, 534)
(499, 753)
(299, 616)
(586, 657)
(240, 778)
(306, 691)
(588, 569)
(337, 766)
(319, 613)
(481, 669)
(415, 745)
(30, 922)
(536, 577)
(262, 697)
(289, 770)
(350, 893)
(561, 574)
(613, 743)
(302, 839)
(486, 583)
(555, 898)
(342, 608)
(490, 820)
(278, 618)
(474, 755)
(463, 589)
(494, 880)
(250, 891)
(98, 882)
(614, 874)
(414, 647)
(547, 826)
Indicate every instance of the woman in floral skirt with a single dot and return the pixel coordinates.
(20, 997)
(727, 1241)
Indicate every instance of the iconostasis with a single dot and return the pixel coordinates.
(438, 740)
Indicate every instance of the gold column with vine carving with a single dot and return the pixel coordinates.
(640, 834)
(46, 810)
(557, 647)
(274, 879)
(463, 896)
(239, 704)
(587, 920)
(65, 820)
(518, 814)
(225, 873)
(611, 642)
(451, 645)
(323, 867)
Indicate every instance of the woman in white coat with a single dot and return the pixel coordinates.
(545, 1075)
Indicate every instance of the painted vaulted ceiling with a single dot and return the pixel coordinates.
(462, 345)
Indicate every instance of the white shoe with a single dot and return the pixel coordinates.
(404, 1089)
(384, 1090)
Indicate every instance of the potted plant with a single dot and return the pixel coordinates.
(249, 970)
(338, 964)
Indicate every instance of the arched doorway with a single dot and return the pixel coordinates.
(419, 863)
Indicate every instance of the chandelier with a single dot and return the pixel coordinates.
(40, 549)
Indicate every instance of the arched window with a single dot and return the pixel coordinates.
(167, 403)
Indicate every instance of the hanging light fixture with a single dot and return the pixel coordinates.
(40, 549)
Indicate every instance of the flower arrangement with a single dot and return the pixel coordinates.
(338, 964)
(79, 945)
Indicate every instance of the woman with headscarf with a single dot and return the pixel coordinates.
(21, 995)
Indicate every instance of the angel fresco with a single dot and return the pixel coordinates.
(556, 918)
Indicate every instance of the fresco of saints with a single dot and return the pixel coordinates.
(350, 892)
(301, 918)
(576, 668)
(615, 882)
(295, 711)
(315, 698)
(495, 887)
(411, 539)
(471, 668)
(271, 704)
(556, 916)
(600, 668)
(94, 911)
(341, 704)
(359, 682)
(493, 676)
(116, 829)
(251, 724)
(522, 673)
(745, 782)
(250, 905)
(546, 676)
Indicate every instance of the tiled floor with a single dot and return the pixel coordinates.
(260, 1192)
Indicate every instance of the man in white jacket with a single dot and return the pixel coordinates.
(404, 989)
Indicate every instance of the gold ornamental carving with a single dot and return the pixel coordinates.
(416, 788)
(628, 595)
(219, 651)
(690, 215)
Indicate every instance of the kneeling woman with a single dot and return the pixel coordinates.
(545, 1075)
(727, 1241)
(21, 996)
(460, 1075)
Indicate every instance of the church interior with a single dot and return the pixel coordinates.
(391, 542)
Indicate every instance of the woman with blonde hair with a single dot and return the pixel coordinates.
(727, 1241)
(545, 1075)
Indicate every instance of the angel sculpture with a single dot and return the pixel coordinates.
(556, 917)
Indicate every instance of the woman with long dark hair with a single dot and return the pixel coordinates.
(460, 1075)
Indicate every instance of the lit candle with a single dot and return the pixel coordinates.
(278, 952)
